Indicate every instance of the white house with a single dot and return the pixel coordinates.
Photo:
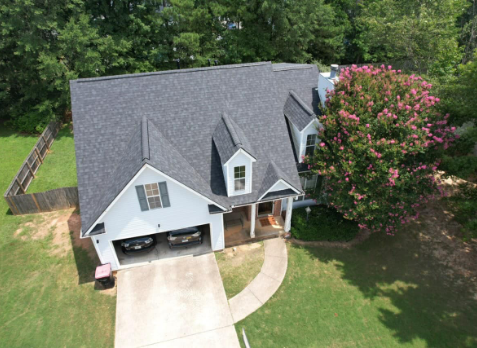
(217, 148)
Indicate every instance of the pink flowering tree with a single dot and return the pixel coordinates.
(380, 146)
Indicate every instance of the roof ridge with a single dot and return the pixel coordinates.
(145, 138)
(301, 103)
(167, 72)
(231, 128)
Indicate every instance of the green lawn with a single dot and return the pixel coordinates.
(238, 268)
(59, 167)
(383, 293)
(46, 300)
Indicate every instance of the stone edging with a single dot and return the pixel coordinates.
(265, 284)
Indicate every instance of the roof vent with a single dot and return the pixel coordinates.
(334, 71)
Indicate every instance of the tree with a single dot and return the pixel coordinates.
(380, 146)
(42, 46)
(423, 32)
(459, 96)
(283, 30)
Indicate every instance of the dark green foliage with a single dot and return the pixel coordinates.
(324, 224)
(464, 207)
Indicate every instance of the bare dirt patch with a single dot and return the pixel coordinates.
(63, 226)
(237, 255)
(441, 236)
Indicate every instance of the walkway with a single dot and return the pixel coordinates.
(265, 284)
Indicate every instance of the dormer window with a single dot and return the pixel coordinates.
(310, 145)
(239, 178)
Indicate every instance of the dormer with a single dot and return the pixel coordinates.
(304, 125)
(236, 156)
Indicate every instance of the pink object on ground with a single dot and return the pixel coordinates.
(103, 271)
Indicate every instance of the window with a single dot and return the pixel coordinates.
(239, 178)
(308, 184)
(153, 197)
(310, 145)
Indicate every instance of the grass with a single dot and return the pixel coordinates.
(383, 293)
(59, 167)
(46, 301)
(324, 224)
(238, 268)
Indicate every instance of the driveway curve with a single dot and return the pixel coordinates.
(265, 284)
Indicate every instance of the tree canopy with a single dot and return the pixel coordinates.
(381, 143)
(43, 45)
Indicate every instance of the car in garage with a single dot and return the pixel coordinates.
(138, 244)
(184, 237)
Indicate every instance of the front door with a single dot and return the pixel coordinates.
(265, 209)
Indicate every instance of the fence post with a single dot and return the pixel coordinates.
(46, 142)
(29, 168)
(38, 154)
(19, 184)
(36, 203)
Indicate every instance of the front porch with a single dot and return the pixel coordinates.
(254, 222)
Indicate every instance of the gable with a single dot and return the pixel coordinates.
(125, 218)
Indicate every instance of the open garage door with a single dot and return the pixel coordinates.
(136, 251)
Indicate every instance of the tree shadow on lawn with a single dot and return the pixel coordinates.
(431, 302)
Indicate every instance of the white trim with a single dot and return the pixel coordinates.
(130, 183)
(120, 267)
(241, 151)
(311, 122)
(279, 181)
(159, 195)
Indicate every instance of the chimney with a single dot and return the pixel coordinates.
(334, 71)
(178, 61)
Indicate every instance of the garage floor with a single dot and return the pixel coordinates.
(162, 251)
(177, 303)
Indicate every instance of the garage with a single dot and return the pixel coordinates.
(160, 250)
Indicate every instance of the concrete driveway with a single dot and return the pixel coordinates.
(175, 303)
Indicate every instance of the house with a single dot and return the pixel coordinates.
(218, 147)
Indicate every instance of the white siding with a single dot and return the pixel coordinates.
(239, 160)
(280, 185)
(125, 218)
(310, 129)
(323, 84)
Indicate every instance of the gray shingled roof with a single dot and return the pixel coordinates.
(297, 111)
(183, 108)
(272, 175)
(229, 138)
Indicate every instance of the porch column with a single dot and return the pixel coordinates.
(288, 214)
(253, 214)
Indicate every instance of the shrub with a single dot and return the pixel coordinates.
(464, 207)
(324, 224)
(380, 146)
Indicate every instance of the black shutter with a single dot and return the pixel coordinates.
(141, 196)
(166, 203)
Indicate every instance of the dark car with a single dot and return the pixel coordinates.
(138, 244)
(184, 237)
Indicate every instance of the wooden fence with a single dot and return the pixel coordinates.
(32, 203)
(22, 203)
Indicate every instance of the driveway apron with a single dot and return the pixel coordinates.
(180, 302)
